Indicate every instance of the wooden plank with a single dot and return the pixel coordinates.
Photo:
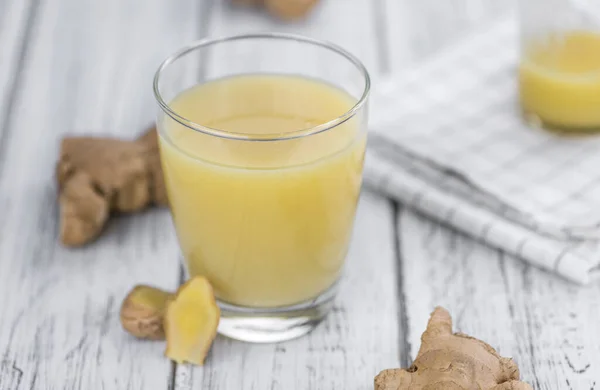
(546, 324)
(560, 348)
(359, 337)
(86, 69)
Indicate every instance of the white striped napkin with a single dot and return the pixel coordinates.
(448, 140)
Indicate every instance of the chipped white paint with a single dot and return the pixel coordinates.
(84, 66)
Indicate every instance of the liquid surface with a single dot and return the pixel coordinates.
(268, 223)
(560, 81)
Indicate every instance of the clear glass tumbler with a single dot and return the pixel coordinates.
(262, 141)
(560, 64)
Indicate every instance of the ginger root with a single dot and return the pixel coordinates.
(283, 9)
(191, 322)
(97, 176)
(143, 311)
(454, 361)
(188, 319)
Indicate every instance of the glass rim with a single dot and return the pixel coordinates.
(262, 137)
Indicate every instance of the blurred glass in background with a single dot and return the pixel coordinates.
(560, 63)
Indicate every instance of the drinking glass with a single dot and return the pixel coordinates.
(263, 209)
(560, 64)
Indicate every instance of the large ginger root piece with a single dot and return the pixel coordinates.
(283, 9)
(452, 361)
(191, 322)
(97, 176)
(143, 310)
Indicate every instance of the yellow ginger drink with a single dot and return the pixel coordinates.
(560, 81)
(262, 141)
(268, 222)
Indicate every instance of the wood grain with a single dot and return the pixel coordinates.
(80, 66)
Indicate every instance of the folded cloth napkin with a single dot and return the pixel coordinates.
(448, 139)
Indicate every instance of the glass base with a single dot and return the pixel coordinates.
(534, 120)
(271, 325)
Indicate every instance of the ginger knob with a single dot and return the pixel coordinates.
(191, 322)
(188, 319)
(100, 176)
(448, 360)
(143, 311)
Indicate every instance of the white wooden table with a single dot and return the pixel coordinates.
(85, 66)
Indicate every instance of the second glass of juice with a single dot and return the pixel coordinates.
(560, 64)
(262, 141)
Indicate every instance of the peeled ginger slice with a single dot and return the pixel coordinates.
(191, 322)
